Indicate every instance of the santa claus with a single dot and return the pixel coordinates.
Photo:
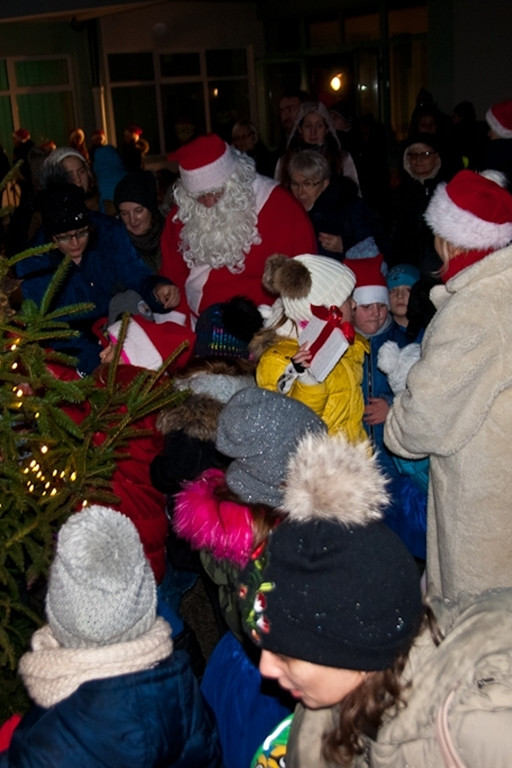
(227, 220)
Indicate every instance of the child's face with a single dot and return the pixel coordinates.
(399, 301)
(369, 318)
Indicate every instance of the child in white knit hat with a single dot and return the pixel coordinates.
(313, 288)
(108, 687)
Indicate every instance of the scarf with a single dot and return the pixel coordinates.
(460, 262)
(51, 672)
(148, 245)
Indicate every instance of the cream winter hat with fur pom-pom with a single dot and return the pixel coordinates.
(307, 280)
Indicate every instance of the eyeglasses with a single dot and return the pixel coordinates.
(420, 155)
(78, 235)
(212, 196)
(304, 184)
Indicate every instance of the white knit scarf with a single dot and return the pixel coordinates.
(51, 672)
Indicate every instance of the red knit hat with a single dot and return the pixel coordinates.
(371, 286)
(472, 212)
(148, 344)
(499, 119)
(205, 163)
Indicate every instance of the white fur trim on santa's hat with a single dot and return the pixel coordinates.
(463, 227)
(499, 119)
(371, 294)
(138, 349)
(205, 164)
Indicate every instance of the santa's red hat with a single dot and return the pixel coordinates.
(499, 119)
(371, 286)
(205, 163)
(148, 344)
(472, 212)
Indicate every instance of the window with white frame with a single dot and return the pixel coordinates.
(176, 95)
(36, 93)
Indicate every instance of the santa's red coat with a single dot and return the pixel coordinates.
(284, 227)
(131, 481)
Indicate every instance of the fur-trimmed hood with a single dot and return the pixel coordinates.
(197, 417)
(331, 479)
(211, 384)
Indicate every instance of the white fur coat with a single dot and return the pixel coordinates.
(457, 409)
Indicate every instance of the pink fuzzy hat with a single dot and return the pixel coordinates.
(220, 526)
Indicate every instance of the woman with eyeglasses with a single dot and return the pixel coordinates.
(412, 241)
(103, 262)
(340, 218)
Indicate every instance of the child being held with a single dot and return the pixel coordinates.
(313, 288)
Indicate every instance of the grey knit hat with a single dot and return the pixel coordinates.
(259, 429)
(101, 589)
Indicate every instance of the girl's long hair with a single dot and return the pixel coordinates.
(360, 713)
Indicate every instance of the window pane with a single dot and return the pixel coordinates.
(6, 124)
(4, 83)
(29, 73)
(180, 64)
(125, 67)
(183, 109)
(281, 78)
(226, 63)
(229, 102)
(47, 116)
(408, 73)
(137, 105)
(368, 85)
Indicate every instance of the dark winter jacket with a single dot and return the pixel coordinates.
(110, 264)
(406, 514)
(412, 241)
(340, 211)
(156, 718)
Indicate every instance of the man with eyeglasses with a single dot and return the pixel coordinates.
(103, 263)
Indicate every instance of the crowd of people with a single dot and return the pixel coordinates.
(337, 474)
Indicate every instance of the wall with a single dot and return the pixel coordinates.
(469, 52)
(184, 25)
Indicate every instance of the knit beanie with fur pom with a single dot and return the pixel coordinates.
(307, 280)
(101, 589)
(334, 586)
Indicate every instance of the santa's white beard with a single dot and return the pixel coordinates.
(222, 235)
